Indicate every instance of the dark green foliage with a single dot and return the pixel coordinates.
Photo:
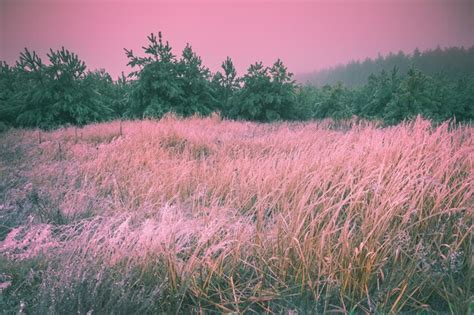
(225, 86)
(378, 93)
(462, 93)
(334, 102)
(413, 97)
(121, 96)
(267, 94)
(307, 98)
(165, 84)
(156, 88)
(391, 97)
(7, 94)
(194, 80)
(437, 84)
(50, 95)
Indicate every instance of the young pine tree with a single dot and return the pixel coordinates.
(268, 94)
(56, 94)
(225, 84)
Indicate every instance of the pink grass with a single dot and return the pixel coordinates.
(235, 216)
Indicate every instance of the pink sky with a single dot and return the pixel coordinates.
(306, 35)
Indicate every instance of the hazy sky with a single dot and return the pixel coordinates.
(306, 35)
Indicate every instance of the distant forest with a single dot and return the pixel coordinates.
(437, 84)
(453, 63)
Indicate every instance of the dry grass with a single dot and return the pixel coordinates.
(203, 215)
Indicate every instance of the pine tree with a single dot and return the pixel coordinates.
(164, 84)
(194, 80)
(225, 85)
(412, 98)
(268, 94)
(56, 94)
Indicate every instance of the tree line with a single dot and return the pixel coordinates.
(453, 63)
(62, 91)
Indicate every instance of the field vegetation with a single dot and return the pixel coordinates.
(207, 215)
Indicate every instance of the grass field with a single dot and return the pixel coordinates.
(202, 215)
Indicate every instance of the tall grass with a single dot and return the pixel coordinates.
(203, 215)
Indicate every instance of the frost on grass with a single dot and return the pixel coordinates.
(202, 215)
(26, 242)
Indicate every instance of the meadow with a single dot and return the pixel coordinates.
(204, 215)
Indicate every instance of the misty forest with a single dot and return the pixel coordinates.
(176, 190)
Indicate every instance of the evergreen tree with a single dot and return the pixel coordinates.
(412, 98)
(156, 90)
(8, 105)
(121, 90)
(225, 86)
(378, 93)
(51, 95)
(335, 102)
(462, 97)
(267, 94)
(194, 81)
(62, 91)
(307, 97)
(164, 84)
